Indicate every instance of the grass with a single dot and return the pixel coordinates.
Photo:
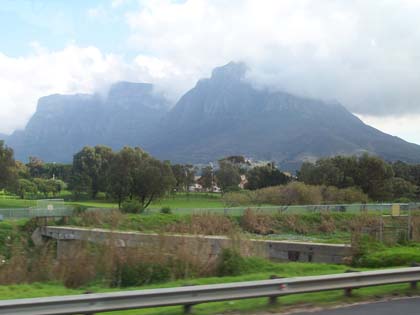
(188, 201)
(329, 238)
(180, 200)
(16, 203)
(391, 256)
(265, 270)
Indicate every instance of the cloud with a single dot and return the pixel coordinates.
(117, 3)
(71, 70)
(364, 54)
(405, 126)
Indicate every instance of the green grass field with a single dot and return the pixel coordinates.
(189, 201)
(186, 201)
(243, 306)
(16, 203)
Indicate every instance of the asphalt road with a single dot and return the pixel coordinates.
(409, 306)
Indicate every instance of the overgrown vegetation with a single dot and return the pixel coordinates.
(296, 193)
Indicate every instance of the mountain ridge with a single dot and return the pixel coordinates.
(221, 115)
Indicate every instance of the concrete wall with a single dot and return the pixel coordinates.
(204, 247)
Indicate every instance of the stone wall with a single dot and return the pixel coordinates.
(204, 247)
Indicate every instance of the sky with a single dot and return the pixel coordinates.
(363, 54)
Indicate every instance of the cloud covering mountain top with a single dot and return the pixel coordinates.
(363, 54)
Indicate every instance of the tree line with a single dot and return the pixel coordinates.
(133, 175)
(380, 180)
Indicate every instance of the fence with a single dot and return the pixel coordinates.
(192, 295)
(19, 213)
(380, 208)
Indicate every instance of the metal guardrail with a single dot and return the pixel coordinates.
(192, 295)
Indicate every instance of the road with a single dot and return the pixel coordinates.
(409, 306)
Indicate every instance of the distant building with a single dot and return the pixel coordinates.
(243, 182)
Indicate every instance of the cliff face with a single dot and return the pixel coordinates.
(63, 124)
(222, 115)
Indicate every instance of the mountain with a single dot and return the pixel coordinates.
(226, 115)
(63, 124)
(222, 115)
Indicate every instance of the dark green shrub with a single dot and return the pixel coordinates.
(231, 263)
(131, 206)
(390, 257)
(79, 209)
(144, 273)
(166, 210)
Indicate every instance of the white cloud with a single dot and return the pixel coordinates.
(71, 70)
(405, 126)
(117, 3)
(97, 12)
(362, 53)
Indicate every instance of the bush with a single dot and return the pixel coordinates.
(390, 257)
(235, 199)
(166, 210)
(257, 222)
(144, 273)
(131, 206)
(296, 193)
(79, 209)
(231, 263)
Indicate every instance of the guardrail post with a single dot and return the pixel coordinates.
(272, 300)
(413, 284)
(348, 291)
(188, 308)
(88, 292)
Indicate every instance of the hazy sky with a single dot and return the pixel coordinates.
(364, 54)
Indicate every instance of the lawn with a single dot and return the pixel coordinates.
(16, 203)
(266, 269)
(181, 200)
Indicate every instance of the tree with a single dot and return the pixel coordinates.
(151, 179)
(90, 167)
(323, 172)
(36, 167)
(227, 175)
(47, 186)
(374, 177)
(265, 176)
(184, 176)
(26, 187)
(120, 173)
(206, 180)
(8, 169)
(402, 188)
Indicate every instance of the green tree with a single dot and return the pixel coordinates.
(8, 169)
(36, 167)
(323, 172)
(402, 188)
(151, 179)
(265, 176)
(184, 176)
(227, 175)
(207, 177)
(120, 173)
(374, 177)
(47, 186)
(90, 168)
(26, 187)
